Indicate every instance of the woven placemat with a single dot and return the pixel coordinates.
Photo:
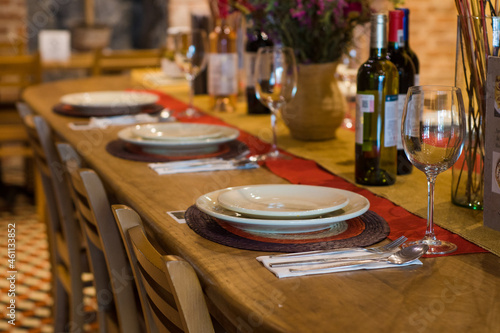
(364, 230)
(69, 110)
(128, 151)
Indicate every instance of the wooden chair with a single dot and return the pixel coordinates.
(119, 61)
(16, 73)
(170, 292)
(119, 309)
(15, 47)
(67, 254)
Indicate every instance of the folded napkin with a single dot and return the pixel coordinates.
(313, 269)
(104, 122)
(199, 165)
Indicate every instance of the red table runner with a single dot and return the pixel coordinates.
(302, 171)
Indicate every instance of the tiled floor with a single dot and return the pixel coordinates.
(31, 289)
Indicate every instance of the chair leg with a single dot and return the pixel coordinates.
(41, 207)
(60, 308)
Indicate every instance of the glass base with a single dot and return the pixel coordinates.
(435, 246)
(272, 155)
(190, 113)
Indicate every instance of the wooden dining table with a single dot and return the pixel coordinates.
(457, 293)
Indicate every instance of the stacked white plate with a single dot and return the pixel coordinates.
(283, 208)
(116, 102)
(176, 139)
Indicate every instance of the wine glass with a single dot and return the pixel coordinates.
(190, 55)
(275, 85)
(433, 131)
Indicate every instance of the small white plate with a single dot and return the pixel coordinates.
(180, 148)
(209, 204)
(109, 99)
(178, 132)
(283, 201)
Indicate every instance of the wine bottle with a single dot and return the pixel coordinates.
(256, 38)
(377, 124)
(397, 55)
(406, 38)
(223, 67)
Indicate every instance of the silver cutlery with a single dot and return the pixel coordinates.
(403, 256)
(377, 249)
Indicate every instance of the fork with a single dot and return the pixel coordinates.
(377, 249)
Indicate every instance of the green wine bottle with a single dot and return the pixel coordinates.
(398, 56)
(377, 124)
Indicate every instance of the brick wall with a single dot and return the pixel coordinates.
(432, 33)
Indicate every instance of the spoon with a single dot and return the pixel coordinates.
(405, 255)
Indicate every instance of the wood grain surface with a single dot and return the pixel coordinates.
(454, 293)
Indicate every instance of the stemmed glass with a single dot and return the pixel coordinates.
(190, 55)
(433, 131)
(275, 85)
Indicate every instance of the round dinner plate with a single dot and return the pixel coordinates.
(110, 99)
(209, 204)
(176, 147)
(283, 201)
(178, 132)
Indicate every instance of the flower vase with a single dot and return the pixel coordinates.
(470, 76)
(318, 108)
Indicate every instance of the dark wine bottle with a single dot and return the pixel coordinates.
(377, 124)
(397, 55)
(256, 39)
(406, 38)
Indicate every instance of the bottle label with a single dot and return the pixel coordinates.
(392, 126)
(222, 74)
(250, 58)
(401, 106)
(364, 104)
(401, 37)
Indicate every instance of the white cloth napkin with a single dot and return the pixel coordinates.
(208, 164)
(104, 122)
(283, 272)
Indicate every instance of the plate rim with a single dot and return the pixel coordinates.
(126, 135)
(242, 221)
(154, 99)
(192, 138)
(283, 214)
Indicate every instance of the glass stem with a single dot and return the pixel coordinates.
(429, 233)
(191, 92)
(274, 145)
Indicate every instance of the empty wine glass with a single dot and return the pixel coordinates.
(275, 85)
(190, 55)
(433, 131)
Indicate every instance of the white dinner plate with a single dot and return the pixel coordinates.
(179, 148)
(283, 201)
(209, 204)
(109, 99)
(178, 132)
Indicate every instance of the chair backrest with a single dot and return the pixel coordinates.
(169, 289)
(113, 277)
(16, 73)
(119, 61)
(63, 231)
(14, 47)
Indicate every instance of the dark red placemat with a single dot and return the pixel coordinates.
(364, 230)
(68, 110)
(128, 151)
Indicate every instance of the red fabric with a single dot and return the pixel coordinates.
(302, 171)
